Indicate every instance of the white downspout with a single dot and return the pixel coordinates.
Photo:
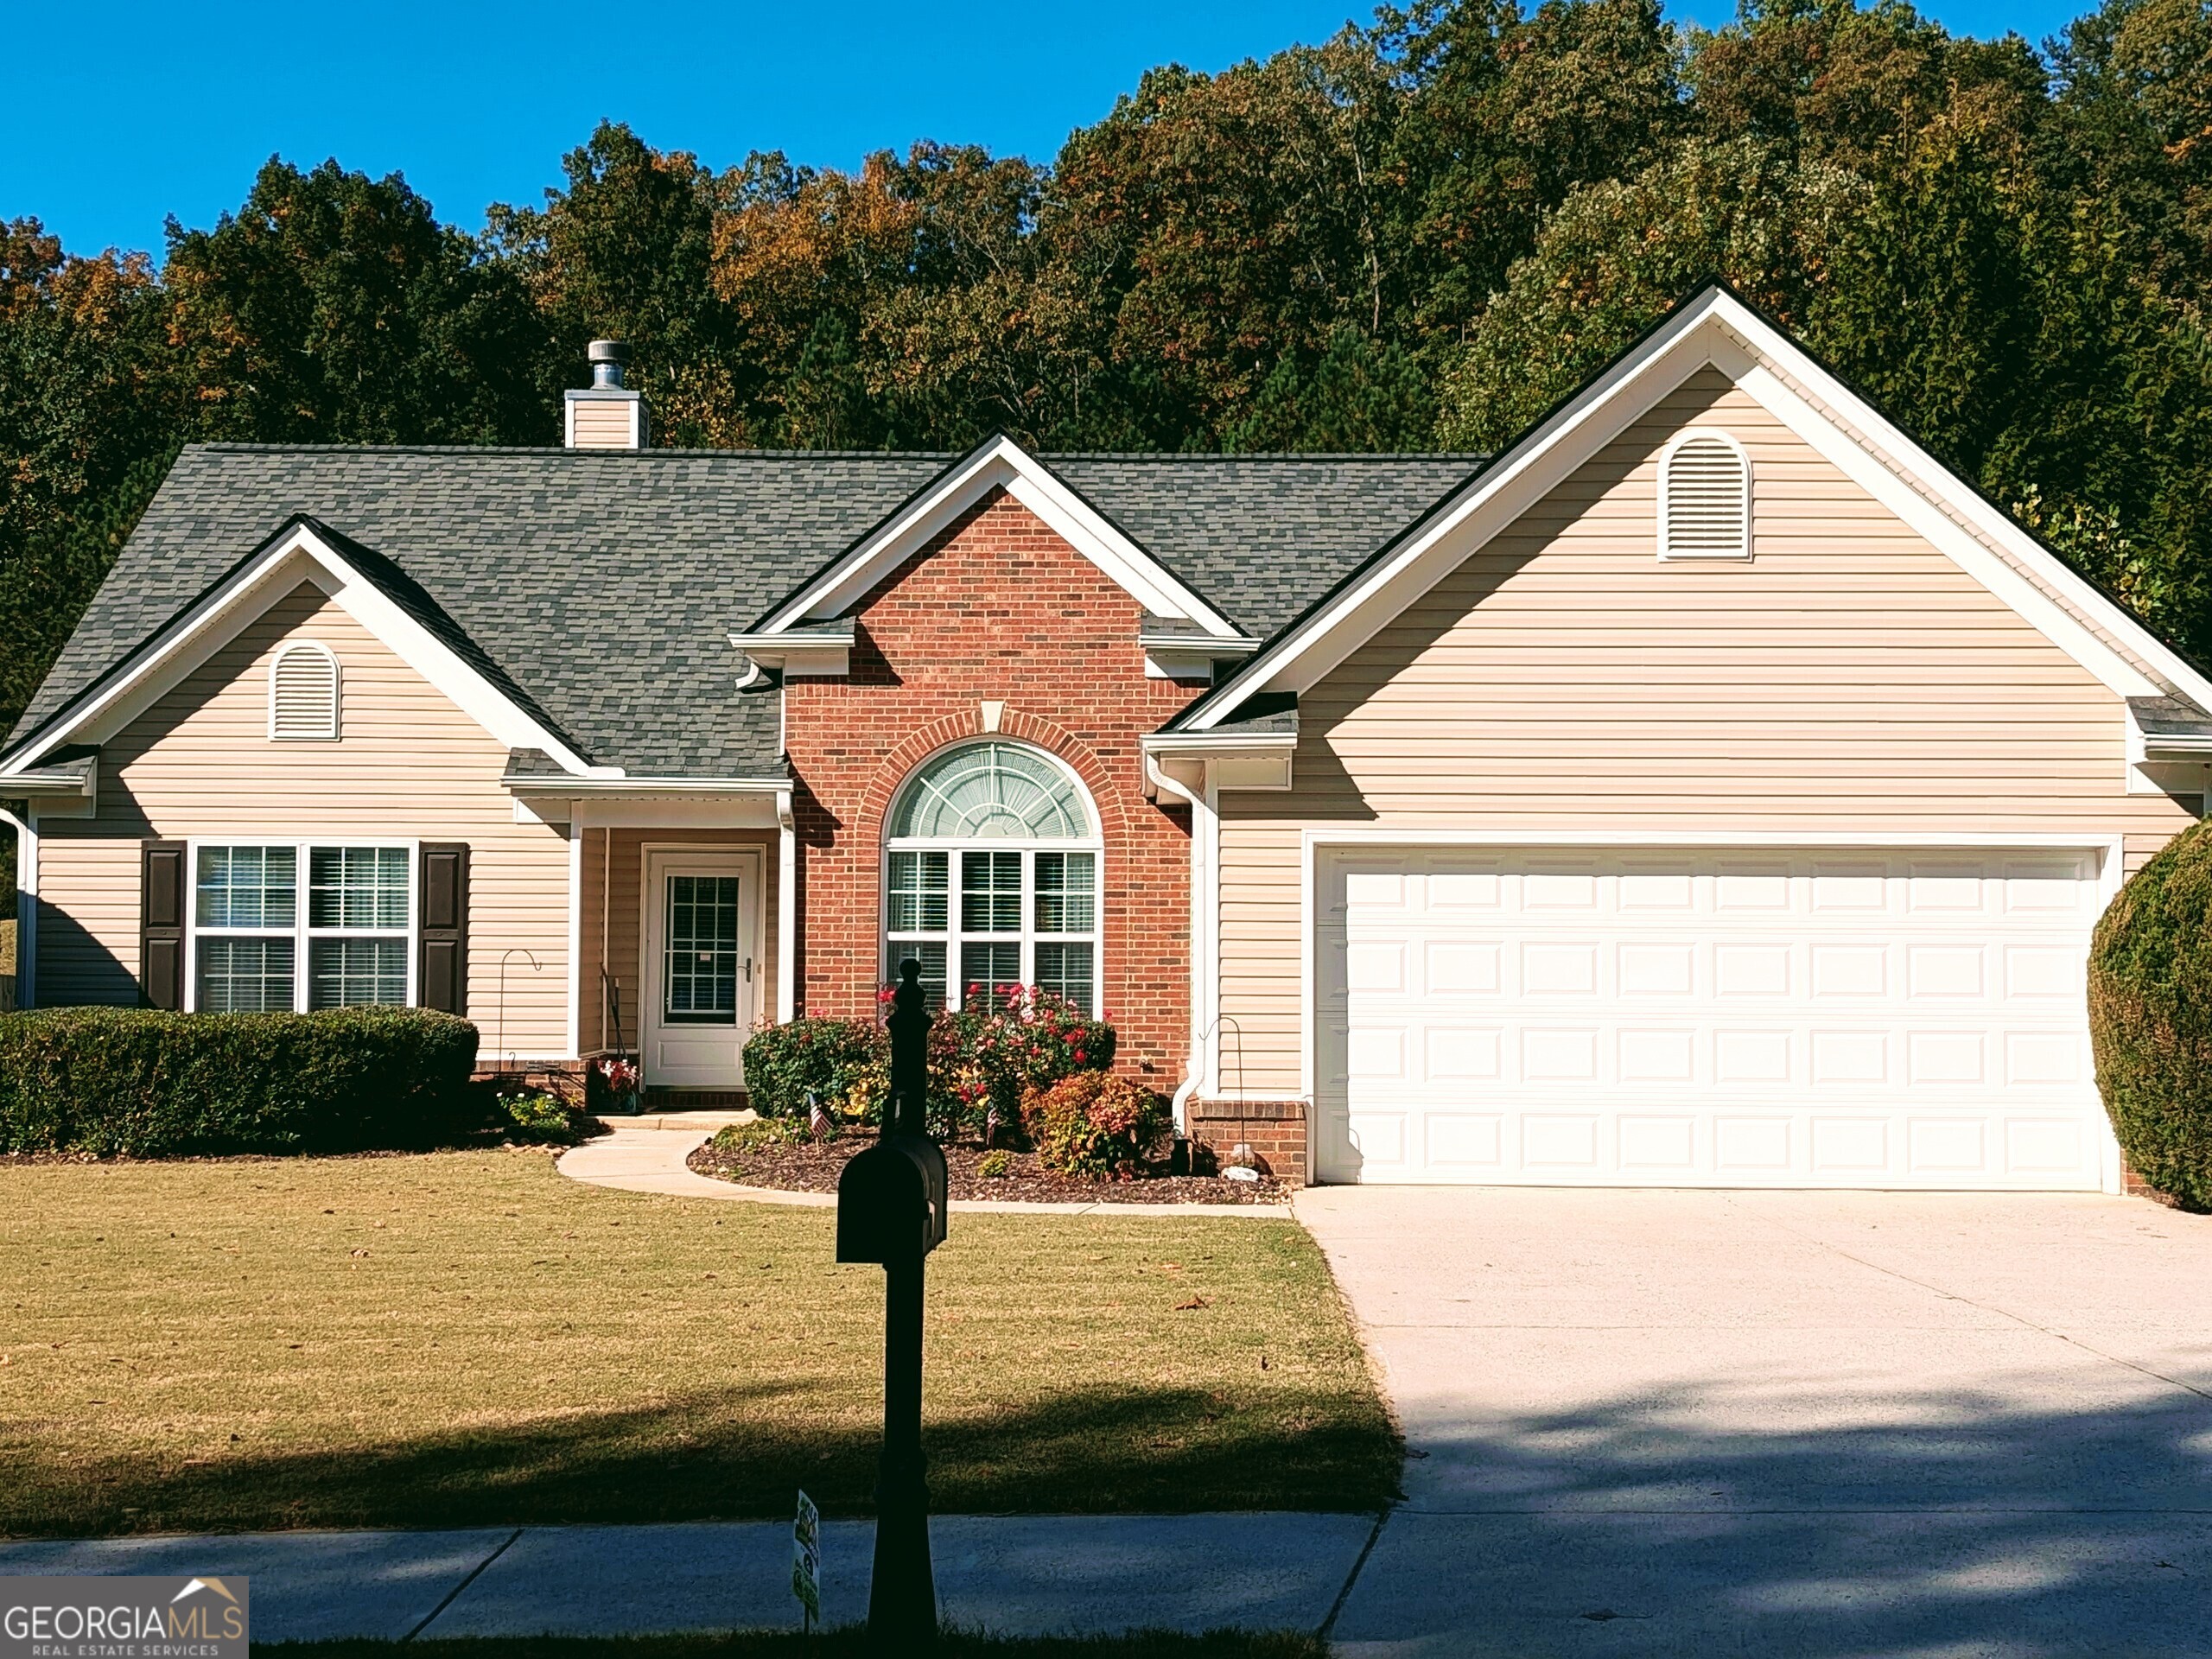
(1204, 990)
(786, 909)
(25, 905)
(576, 934)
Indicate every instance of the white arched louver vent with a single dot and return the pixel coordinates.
(1705, 498)
(304, 692)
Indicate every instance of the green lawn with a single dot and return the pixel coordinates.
(844, 1643)
(469, 1338)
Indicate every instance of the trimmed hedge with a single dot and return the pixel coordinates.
(144, 1083)
(830, 1057)
(2151, 1017)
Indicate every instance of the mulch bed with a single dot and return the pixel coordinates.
(814, 1166)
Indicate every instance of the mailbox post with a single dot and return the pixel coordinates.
(891, 1212)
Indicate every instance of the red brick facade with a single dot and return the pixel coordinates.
(996, 608)
(1274, 1131)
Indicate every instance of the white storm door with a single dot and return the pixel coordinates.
(1809, 1017)
(702, 916)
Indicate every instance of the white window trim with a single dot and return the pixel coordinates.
(1675, 445)
(300, 932)
(307, 648)
(952, 936)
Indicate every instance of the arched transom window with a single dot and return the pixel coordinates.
(992, 876)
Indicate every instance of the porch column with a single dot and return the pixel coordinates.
(786, 909)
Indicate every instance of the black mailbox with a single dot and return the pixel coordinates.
(891, 1202)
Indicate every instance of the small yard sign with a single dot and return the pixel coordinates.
(806, 1559)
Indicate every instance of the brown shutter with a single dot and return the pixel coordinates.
(161, 923)
(441, 967)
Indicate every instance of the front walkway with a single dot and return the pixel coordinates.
(1012, 1574)
(1802, 1423)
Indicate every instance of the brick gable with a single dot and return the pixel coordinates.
(997, 608)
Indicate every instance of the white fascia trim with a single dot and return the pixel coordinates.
(1913, 484)
(1002, 464)
(55, 788)
(1214, 743)
(217, 618)
(817, 637)
(619, 785)
(1236, 645)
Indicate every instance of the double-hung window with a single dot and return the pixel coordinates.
(992, 877)
(283, 925)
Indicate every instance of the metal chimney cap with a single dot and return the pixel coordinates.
(608, 351)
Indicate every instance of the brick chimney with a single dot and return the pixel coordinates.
(606, 415)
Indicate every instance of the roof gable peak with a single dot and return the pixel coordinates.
(1715, 326)
(997, 464)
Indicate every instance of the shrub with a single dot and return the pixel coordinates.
(541, 1119)
(996, 1165)
(868, 1091)
(828, 1057)
(1097, 1126)
(761, 1132)
(2151, 1017)
(147, 1083)
(1003, 1046)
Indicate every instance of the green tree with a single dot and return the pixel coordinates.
(626, 251)
(332, 308)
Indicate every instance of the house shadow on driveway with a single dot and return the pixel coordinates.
(1960, 1524)
(1789, 1423)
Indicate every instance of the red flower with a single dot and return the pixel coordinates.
(1078, 1056)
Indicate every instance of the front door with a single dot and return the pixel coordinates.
(699, 966)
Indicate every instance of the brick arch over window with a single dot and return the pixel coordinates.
(905, 760)
(1120, 893)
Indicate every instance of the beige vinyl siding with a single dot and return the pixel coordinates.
(614, 867)
(1849, 679)
(200, 763)
(602, 424)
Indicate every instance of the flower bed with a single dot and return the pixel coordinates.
(800, 1164)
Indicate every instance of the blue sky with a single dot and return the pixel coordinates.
(136, 111)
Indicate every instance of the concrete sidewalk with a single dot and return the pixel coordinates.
(1012, 1574)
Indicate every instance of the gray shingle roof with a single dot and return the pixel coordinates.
(2170, 717)
(604, 585)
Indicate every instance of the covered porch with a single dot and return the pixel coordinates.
(680, 940)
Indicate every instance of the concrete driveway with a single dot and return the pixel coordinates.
(1803, 1424)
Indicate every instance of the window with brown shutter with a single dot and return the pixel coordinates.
(441, 970)
(161, 923)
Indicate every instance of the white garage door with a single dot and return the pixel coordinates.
(1698, 1017)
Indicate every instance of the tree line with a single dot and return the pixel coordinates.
(1418, 234)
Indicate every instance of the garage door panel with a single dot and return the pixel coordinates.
(1682, 1016)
